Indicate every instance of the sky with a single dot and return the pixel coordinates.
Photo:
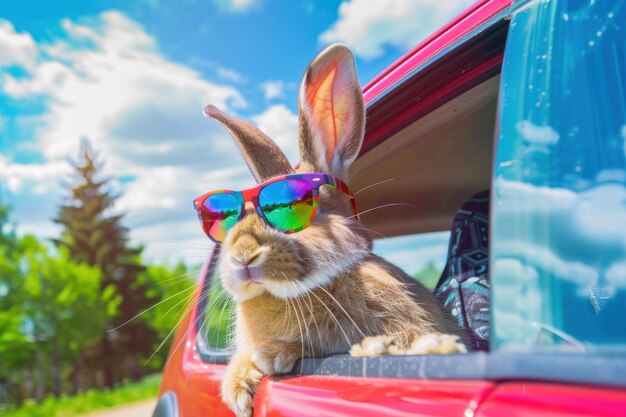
(133, 77)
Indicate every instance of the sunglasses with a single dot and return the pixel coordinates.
(288, 203)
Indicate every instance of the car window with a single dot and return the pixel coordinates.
(216, 313)
(559, 209)
(422, 256)
(217, 316)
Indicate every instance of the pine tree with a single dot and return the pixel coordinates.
(94, 234)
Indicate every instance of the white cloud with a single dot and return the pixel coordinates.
(40, 176)
(538, 135)
(123, 95)
(108, 82)
(273, 89)
(16, 48)
(571, 234)
(280, 124)
(230, 75)
(368, 26)
(616, 274)
(236, 6)
(160, 211)
(554, 244)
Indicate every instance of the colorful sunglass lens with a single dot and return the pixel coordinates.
(288, 205)
(219, 213)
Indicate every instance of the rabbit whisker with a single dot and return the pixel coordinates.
(198, 318)
(344, 311)
(217, 305)
(310, 307)
(207, 245)
(152, 307)
(371, 231)
(180, 318)
(372, 185)
(296, 299)
(299, 327)
(287, 317)
(346, 199)
(333, 317)
(383, 206)
(178, 345)
(179, 278)
(224, 308)
(304, 322)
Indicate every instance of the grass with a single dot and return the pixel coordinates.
(89, 401)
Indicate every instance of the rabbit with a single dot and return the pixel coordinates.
(321, 290)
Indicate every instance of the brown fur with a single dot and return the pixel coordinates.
(252, 141)
(321, 290)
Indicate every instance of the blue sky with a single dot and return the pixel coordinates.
(133, 77)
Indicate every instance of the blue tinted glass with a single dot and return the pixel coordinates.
(287, 204)
(559, 207)
(219, 214)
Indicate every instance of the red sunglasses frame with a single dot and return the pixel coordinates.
(251, 195)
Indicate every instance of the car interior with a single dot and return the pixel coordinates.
(435, 175)
(430, 168)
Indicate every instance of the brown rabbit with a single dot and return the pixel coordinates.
(320, 290)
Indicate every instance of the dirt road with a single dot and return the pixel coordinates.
(143, 409)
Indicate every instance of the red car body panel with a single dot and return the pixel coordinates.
(395, 118)
(551, 400)
(364, 397)
(196, 383)
(464, 23)
(386, 118)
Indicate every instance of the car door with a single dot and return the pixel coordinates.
(557, 344)
(468, 51)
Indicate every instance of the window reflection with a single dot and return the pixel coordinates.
(559, 231)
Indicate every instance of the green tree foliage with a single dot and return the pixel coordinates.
(65, 308)
(94, 234)
(84, 312)
(428, 275)
(50, 308)
(16, 349)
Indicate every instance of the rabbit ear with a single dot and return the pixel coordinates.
(332, 113)
(263, 156)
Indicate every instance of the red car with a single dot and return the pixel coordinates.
(507, 127)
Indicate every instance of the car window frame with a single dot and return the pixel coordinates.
(456, 59)
(603, 370)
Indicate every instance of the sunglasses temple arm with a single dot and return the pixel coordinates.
(343, 187)
(354, 208)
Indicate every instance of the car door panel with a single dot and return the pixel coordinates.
(343, 396)
(514, 399)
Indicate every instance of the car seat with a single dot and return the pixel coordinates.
(463, 288)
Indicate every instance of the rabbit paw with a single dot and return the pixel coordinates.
(239, 385)
(434, 343)
(372, 346)
(272, 362)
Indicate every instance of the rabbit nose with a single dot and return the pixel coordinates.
(250, 257)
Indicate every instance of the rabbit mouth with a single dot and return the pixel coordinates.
(250, 273)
